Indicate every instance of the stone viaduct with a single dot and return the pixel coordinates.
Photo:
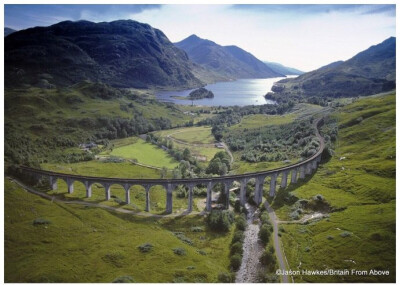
(295, 171)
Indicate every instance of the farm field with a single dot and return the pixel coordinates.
(359, 185)
(144, 153)
(83, 244)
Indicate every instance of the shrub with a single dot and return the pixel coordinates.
(345, 234)
(238, 237)
(236, 260)
(41, 221)
(271, 249)
(220, 220)
(124, 279)
(241, 223)
(237, 207)
(116, 258)
(146, 247)
(264, 234)
(265, 218)
(183, 238)
(226, 277)
(179, 251)
(202, 252)
(237, 248)
(197, 229)
(267, 258)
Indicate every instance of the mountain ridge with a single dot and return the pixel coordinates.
(368, 72)
(285, 70)
(229, 61)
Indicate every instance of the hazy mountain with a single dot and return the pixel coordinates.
(229, 61)
(121, 53)
(8, 31)
(369, 72)
(277, 67)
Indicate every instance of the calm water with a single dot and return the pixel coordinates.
(240, 92)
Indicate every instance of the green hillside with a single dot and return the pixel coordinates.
(83, 244)
(359, 185)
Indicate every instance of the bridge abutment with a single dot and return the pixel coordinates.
(294, 176)
(70, 185)
(190, 197)
(227, 186)
(284, 179)
(107, 191)
(272, 185)
(53, 183)
(168, 207)
(147, 188)
(209, 196)
(243, 184)
(302, 172)
(88, 186)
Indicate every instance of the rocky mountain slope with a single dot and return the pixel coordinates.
(122, 53)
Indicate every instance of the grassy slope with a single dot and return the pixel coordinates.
(364, 185)
(47, 113)
(93, 245)
(145, 153)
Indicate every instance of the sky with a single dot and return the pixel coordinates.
(300, 36)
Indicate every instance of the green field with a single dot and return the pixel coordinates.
(195, 135)
(192, 135)
(259, 120)
(193, 138)
(145, 153)
(360, 189)
(83, 244)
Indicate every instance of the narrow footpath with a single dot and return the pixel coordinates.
(281, 256)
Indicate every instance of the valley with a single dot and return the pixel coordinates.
(113, 172)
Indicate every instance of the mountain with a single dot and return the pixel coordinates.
(277, 67)
(8, 31)
(122, 53)
(229, 61)
(369, 72)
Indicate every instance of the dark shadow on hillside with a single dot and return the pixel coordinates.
(285, 197)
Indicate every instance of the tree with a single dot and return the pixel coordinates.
(164, 172)
(186, 154)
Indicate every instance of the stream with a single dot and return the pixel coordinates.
(252, 249)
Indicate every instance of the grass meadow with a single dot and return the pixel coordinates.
(84, 244)
(359, 184)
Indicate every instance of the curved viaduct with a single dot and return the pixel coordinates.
(297, 170)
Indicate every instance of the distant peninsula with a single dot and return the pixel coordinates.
(200, 94)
